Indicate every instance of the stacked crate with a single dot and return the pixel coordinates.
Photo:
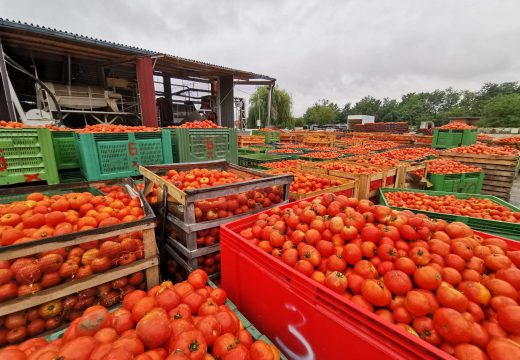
(178, 208)
(84, 285)
(499, 171)
(27, 155)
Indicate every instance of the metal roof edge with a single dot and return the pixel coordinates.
(44, 30)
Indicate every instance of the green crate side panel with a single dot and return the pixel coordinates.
(469, 137)
(470, 183)
(501, 228)
(254, 160)
(196, 145)
(453, 138)
(65, 150)
(110, 156)
(27, 155)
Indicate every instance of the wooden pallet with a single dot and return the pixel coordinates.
(499, 171)
(181, 204)
(149, 263)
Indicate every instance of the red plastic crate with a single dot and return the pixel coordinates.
(305, 319)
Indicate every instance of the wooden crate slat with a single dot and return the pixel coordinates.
(69, 288)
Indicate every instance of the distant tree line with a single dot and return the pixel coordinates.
(498, 105)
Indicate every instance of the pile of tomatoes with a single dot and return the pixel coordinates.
(40, 216)
(188, 320)
(486, 150)
(322, 148)
(268, 129)
(350, 168)
(17, 125)
(375, 159)
(457, 125)
(284, 151)
(511, 139)
(30, 274)
(294, 146)
(201, 178)
(323, 155)
(305, 183)
(484, 137)
(16, 327)
(358, 150)
(226, 206)
(210, 263)
(283, 164)
(433, 279)
(410, 154)
(111, 128)
(445, 166)
(380, 145)
(204, 124)
(449, 204)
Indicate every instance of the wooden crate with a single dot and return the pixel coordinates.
(405, 176)
(499, 171)
(348, 187)
(186, 265)
(181, 204)
(369, 183)
(146, 224)
(186, 243)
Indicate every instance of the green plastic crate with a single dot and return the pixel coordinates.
(106, 156)
(470, 183)
(499, 228)
(65, 150)
(27, 155)
(196, 145)
(254, 160)
(446, 139)
(270, 136)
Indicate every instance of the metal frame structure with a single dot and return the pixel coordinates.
(145, 63)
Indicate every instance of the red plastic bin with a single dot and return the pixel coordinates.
(305, 319)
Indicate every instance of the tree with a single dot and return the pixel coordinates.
(502, 111)
(389, 110)
(369, 105)
(281, 107)
(321, 113)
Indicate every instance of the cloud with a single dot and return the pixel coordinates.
(338, 50)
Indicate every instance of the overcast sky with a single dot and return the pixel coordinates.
(336, 50)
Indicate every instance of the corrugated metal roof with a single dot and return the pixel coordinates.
(39, 30)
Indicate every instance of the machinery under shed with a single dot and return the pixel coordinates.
(50, 75)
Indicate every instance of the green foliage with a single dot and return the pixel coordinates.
(502, 111)
(321, 113)
(281, 106)
(497, 104)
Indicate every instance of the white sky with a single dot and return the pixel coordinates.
(336, 50)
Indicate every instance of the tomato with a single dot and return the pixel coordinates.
(397, 282)
(78, 349)
(142, 306)
(191, 343)
(50, 309)
(475, 292)
(93, 321)
(365, 269)
(424, 327)
(417, 303)
(427, 277)
(452, 298)
(336, 281)
(154, 328)
(503, 349)
(452, 326)
(121, 320)
(509, 318)
(376, 293)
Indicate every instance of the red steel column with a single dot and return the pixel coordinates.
(147, 91)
